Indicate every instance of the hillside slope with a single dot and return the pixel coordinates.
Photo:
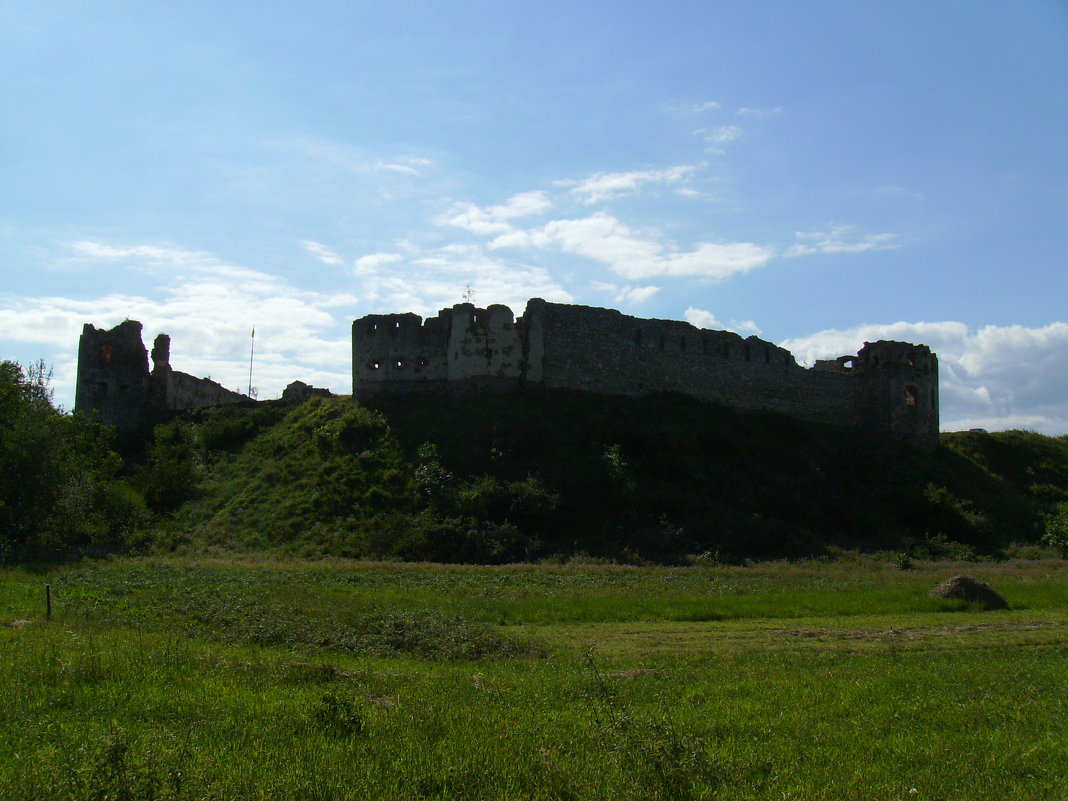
(514, 476)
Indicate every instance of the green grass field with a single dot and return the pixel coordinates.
(260, 677)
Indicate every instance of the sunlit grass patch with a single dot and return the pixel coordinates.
(212, 679)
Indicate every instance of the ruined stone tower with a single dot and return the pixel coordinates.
(114, 380)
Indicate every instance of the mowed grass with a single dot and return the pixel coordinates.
(258, 678)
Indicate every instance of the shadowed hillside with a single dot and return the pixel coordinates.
(519, 476)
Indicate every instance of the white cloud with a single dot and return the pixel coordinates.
(703, 319)
(494, 219)
(404, 169)
(608, 185)
(605, 239)
(339, 155)
(997, 377)
(366, 265)
(710, 105)
(759, 113)
(438, 278)
(706, 319)
(745, 327)
(153, 254)
(719, 136)
(321, 252)
(626, 295)
(840, 239)
(209, 308)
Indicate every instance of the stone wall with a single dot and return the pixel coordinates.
(461, 347)
(114, 380)
(887, 387)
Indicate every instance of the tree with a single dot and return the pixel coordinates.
(1056, 535)
(58, 473)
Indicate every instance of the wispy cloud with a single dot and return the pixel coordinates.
(370, 264)
(350, 158)
(321, 252)
(495, 219)
(840, 239)
(708, 105)
(435, 278)
(604, 238)
(626, 295)
(609, 185)
(759, 113)
(718, 137)
(706, 319)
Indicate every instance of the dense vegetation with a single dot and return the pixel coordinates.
(59, 484)
(515, 477)
(237, 678)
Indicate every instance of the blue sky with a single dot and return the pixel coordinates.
(818, 173)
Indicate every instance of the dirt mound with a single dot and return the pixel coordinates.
(967, 588)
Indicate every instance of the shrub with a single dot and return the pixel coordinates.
(1056, 530)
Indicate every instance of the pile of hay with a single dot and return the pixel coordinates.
(967, 588)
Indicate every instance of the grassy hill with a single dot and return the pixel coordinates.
(519, 476)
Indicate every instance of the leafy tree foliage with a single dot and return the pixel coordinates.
(58, 473)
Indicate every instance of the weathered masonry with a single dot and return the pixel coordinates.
(889, 387)
(114, 380)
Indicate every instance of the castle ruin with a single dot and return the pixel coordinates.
(888, 387)
(114, 380)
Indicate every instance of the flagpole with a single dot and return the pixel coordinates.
(251, 354)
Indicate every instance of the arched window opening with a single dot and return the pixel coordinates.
(910, 396)
(105, 354)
